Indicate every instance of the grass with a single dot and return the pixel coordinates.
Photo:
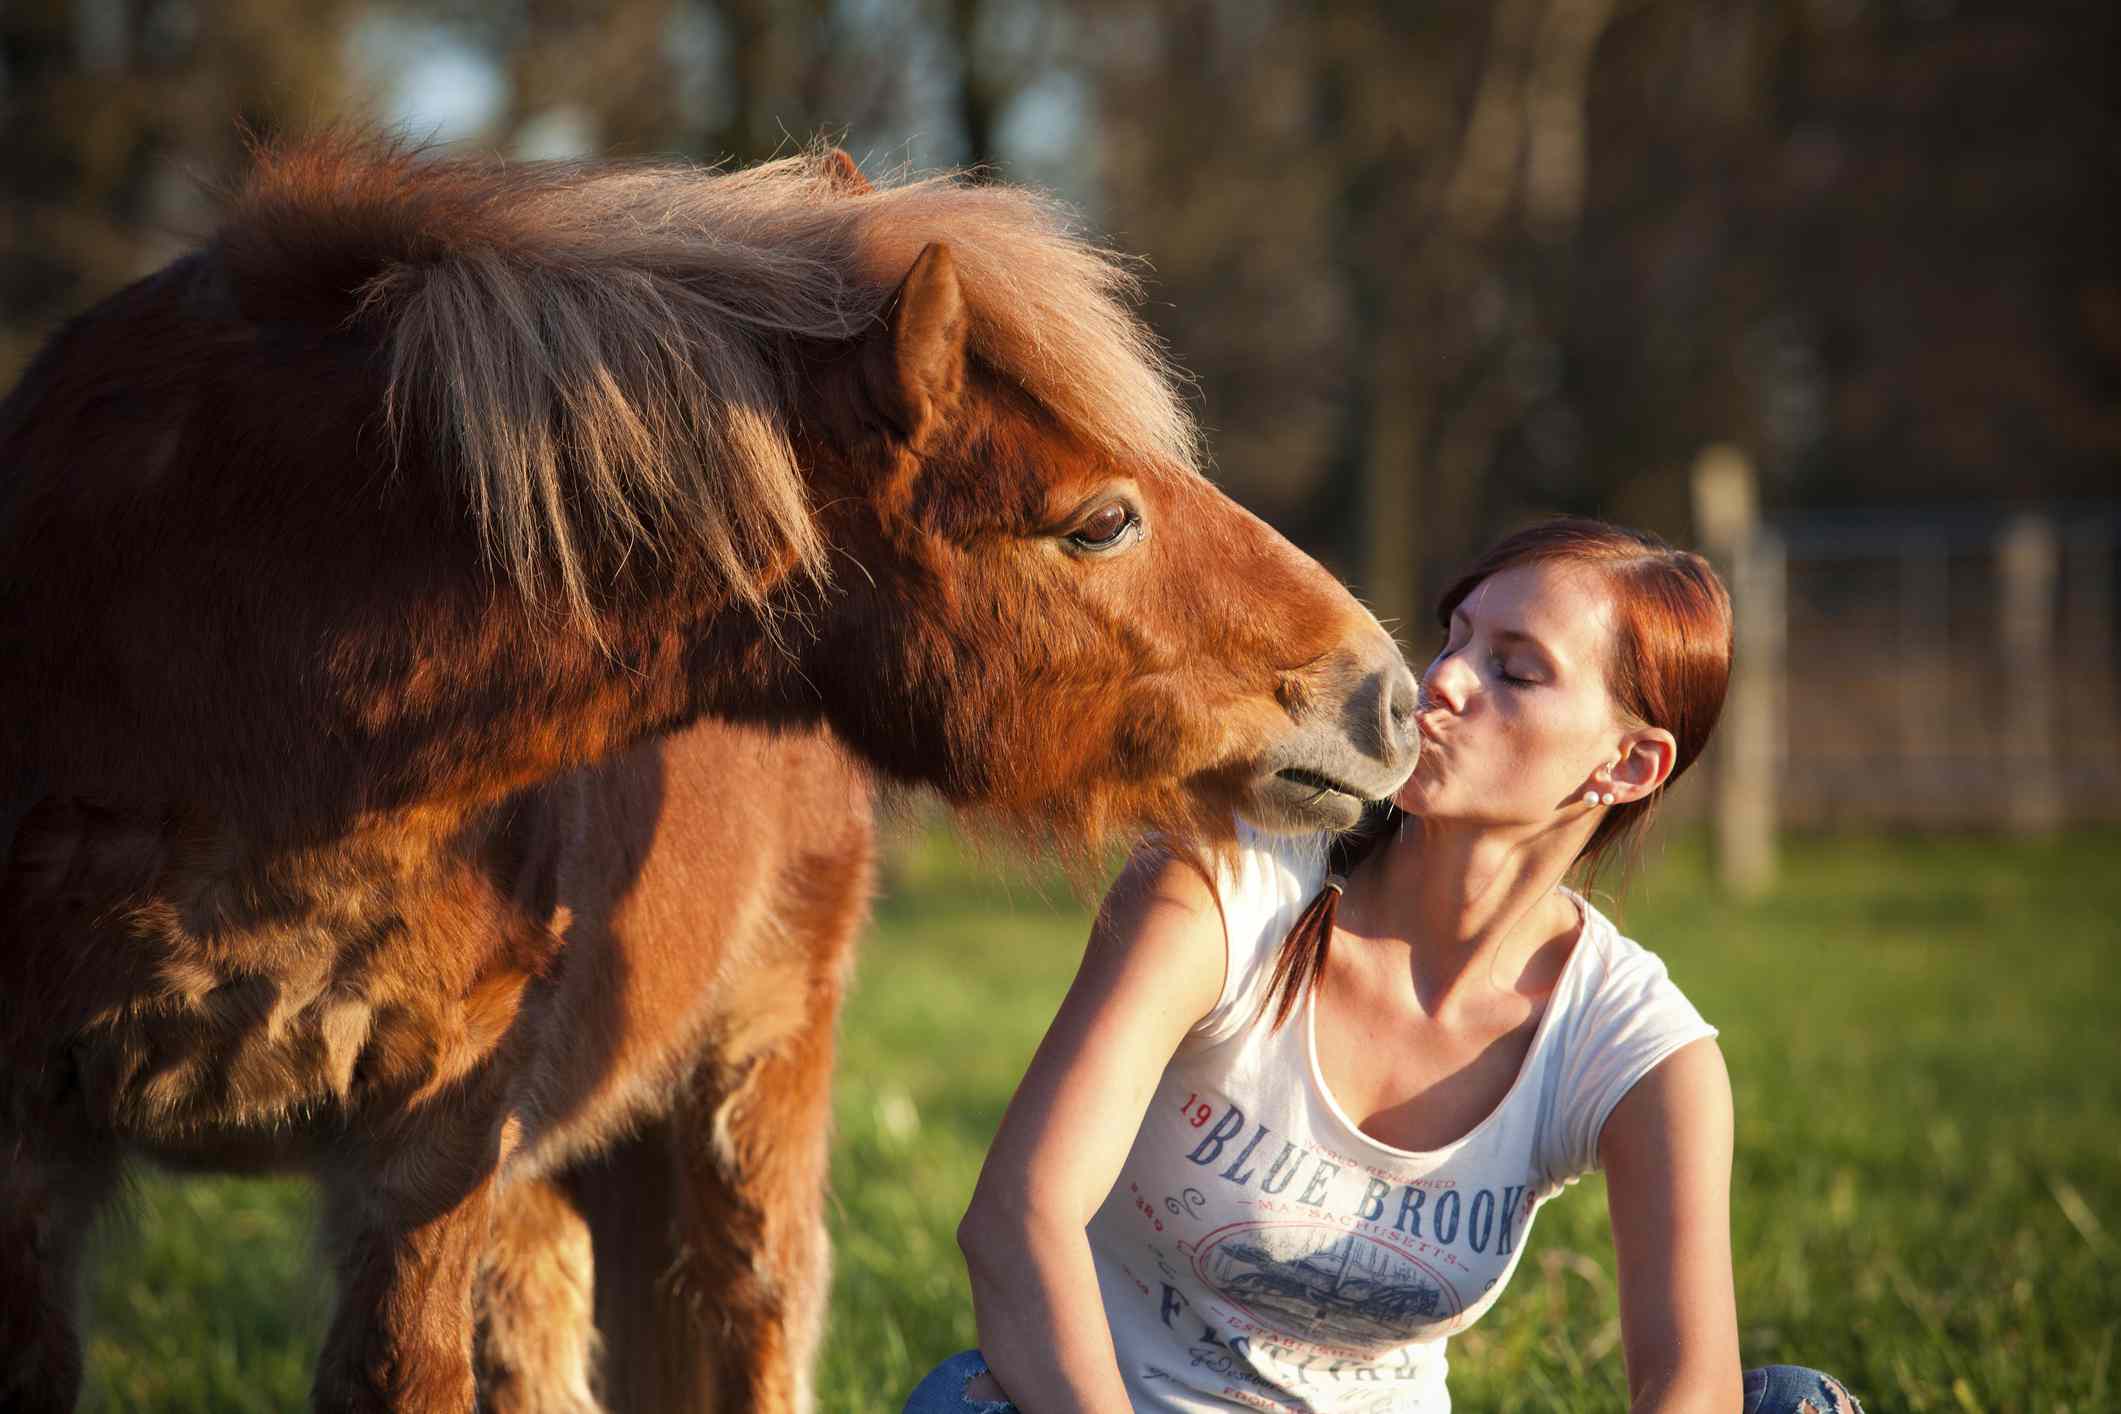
(1921, 1033)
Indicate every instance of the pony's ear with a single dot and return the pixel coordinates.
(841, 171)
(913, 367)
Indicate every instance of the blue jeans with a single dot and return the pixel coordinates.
(1771, 1389)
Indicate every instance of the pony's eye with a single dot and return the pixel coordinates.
(1106, 527)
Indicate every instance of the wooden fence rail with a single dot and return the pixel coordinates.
(1923, 669)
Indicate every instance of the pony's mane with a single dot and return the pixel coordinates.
(605, 350)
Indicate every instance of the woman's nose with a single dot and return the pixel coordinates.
(1447, 681)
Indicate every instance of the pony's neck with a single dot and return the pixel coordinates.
(533, 698)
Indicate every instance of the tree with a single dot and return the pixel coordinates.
(120, 117)
(1399, 187)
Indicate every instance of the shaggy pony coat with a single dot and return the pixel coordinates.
(451, 624)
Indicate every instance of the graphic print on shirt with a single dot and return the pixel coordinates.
(1322, 1285)
(1331, 1254)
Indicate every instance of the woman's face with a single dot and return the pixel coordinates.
(1516, 720)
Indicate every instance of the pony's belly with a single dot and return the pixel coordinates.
(255, 1151)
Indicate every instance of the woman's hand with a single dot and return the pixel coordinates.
(1666, 1149)
(1153, 967)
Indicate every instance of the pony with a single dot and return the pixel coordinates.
(455, 621)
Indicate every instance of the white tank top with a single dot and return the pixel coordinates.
(1260, 1252)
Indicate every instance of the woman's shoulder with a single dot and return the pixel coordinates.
(1238, 887)
(1604, 946)
(1252, 870)
(1260, 883)
(1622, 1016)
(1280, 863)
(1614, 975)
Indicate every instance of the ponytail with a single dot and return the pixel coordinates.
(1301, 958)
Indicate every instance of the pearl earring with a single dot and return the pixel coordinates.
(1590, 797)
(1606, 799)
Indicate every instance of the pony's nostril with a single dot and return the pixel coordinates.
(1404, 702)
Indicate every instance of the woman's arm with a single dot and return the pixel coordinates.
(1666, 1149)
(1153, 967)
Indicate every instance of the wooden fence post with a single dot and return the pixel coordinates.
(2088, 569)
(2028, 561)
(1726, 520)
(1925, 679)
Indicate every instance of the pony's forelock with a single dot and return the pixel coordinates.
(607, 351)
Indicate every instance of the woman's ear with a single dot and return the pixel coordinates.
(1647, 755)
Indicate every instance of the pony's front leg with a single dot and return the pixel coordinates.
(49, 1198)
(754, 1267)
(401, 1338)
(712, 1268)
(537, 1343)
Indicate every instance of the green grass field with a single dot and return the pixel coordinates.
(1923, 1037)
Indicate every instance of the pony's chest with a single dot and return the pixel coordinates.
(183, 1010)
(198, 1045)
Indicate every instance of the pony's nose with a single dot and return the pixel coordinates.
(1401, 695)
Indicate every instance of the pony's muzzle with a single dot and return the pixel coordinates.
(1356, 745)
(1399, 703)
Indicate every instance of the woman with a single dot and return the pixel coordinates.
(1293, 1123)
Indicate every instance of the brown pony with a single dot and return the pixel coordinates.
(450, 624)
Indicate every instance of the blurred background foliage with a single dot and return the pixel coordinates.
(1437, 266)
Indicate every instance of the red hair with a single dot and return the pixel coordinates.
(1671, 663)
(1671, 639)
